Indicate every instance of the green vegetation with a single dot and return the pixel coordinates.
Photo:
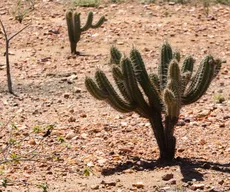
(157, 97)
(75, 29)
(86, 3)
(23, 8)
(219, 98)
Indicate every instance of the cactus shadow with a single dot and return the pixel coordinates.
(188, 167)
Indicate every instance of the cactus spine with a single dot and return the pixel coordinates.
(75, 29)
(155, 95)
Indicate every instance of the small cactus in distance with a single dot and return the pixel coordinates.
(157, 97)
(75, 29)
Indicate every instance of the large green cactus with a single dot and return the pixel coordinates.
(75, 29)
(155, 95)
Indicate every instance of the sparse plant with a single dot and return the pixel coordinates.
(60, 139)
(219, 98)
(5, 182)
(147, 1)
(7, 40)
(157, 97)
(87, 171)
(37, 129)
(75, 29)
(22, 8)
(44, 187)
(86, 3)
(206, 5)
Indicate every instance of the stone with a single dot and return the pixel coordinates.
(167, 177)
(194, 187)
(32, 142)
(138, 185)
(94, 187)
(70, 135)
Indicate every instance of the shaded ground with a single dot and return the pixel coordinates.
(117, 150)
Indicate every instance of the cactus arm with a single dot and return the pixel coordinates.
(176, 55)
(71, 30)
(77, 26)
(93, 89)
(188, 65)
(119, 80)
(115, 55)
(201, 81)
(218, 64)
(171, 103)
(113, 98)
(132, 86)
(174, 79)
(69, 21)
(143, 78)
(155, 80)
(166, 57)
(89, 22)
(99, 23)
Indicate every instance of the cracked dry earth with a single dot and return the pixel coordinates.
(92, 147)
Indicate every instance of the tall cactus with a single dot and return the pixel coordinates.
(75, 29)
(155, 95)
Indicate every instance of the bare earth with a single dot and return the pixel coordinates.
(117, 151)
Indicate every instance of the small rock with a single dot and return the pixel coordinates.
(187, 120)
(120, 43)
(77, 90)
(222, 125)
(172, 3)
(32, 142)
(70, 135)
(71, 78)
(181, 123)
(72, 119)
(66, 95)
(102, 161)
(83, 115)
(180, 150)
(109, 183)
(214, 189)
(167, 177)
(197, 186)
(226, 117)
(138, 185)
(84, 135)
(90, 164)
(221, 182)
(172, 182)
(94, 187)
(124, 124)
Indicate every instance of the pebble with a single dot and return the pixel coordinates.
(194, 187)
(95, 187)
(138, 185)
(167, 177)
(70, 135)
(109, 183)
(72, 119)
(32, 142)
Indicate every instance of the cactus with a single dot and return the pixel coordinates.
(155, 96)
(75, 29)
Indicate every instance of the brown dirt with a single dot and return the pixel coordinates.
(117, 150)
